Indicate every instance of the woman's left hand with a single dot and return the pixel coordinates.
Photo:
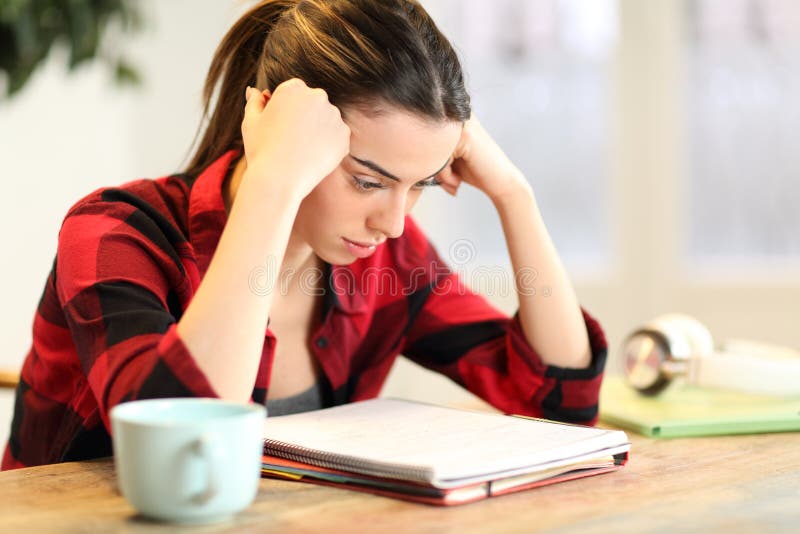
(480, 162)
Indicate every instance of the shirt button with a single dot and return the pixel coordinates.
(322, 342)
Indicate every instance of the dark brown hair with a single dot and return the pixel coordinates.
(361, 52)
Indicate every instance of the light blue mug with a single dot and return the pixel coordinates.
(188, 460)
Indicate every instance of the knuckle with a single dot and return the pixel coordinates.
(320, 93)
(296, 83)
(287, 85)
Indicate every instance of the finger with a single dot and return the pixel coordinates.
(450, 189)
(255, 100)
(448, 181)
(447, 177)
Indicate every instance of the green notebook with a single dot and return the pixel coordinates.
(683, 411)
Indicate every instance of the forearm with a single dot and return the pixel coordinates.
(225, 323)
(549, 312)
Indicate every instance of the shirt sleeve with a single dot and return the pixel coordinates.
(458, 333)
(122, 286)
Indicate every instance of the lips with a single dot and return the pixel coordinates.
(361, 243)
(359, 249)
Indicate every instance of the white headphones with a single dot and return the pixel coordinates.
(676, 345)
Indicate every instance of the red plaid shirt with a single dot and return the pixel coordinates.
(129, 261)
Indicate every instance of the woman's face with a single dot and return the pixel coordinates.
(393, 157)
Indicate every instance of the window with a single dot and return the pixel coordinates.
(539, 75)
(744, 124)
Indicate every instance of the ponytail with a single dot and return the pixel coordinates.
(235, 66)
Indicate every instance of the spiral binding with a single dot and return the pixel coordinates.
(330, 460)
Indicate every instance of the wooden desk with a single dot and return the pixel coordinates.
(741, 483)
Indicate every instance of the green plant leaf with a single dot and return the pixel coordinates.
(125, 74)
(29, 29)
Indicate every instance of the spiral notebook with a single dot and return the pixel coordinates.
(427, 453)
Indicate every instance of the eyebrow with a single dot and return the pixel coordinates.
(383, 172)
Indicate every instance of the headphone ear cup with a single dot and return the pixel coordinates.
(687, 336)
(748, 371)
(700, 341)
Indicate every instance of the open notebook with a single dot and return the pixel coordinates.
(434, 454)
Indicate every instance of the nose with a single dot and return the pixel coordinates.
(389, 217)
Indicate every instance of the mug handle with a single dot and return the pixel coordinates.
(209, 448)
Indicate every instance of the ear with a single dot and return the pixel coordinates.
(266, 94)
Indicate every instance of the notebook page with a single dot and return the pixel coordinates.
(456, 445)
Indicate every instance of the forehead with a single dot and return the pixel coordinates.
(407, 145)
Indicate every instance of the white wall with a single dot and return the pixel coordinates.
(66, 135)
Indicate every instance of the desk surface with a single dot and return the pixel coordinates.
(736, 483)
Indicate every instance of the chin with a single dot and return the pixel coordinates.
(343, 262)
(333, 258)
(336, 253)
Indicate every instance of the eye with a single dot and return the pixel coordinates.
(365, 185)
(430, 182)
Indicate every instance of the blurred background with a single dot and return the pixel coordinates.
(660, 138)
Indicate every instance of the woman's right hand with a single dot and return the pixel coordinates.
(295, 135)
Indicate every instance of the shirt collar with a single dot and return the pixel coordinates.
(342, 291)
(207, 216)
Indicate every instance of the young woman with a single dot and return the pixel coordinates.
(282, 267)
